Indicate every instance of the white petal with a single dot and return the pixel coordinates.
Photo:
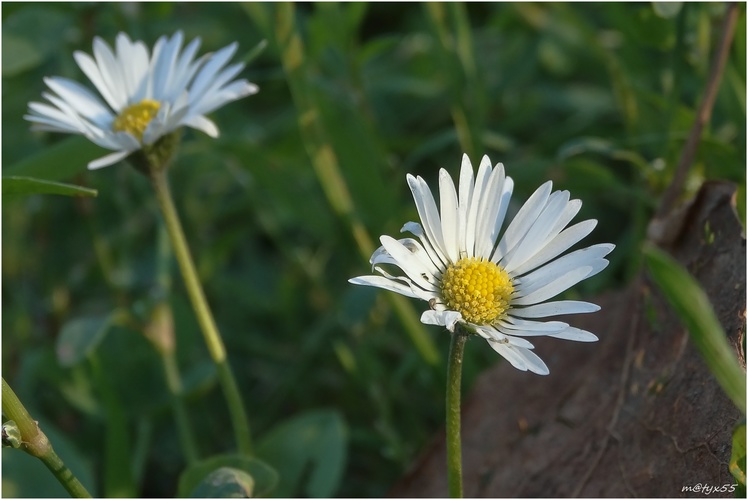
(204, 124)
(80, 98)
(381, 256)
(185, 68)
(215, 99)
(488, 225)
(111, 73)
(567, 214)
(465, 197)
(553, 288)
(418, 291)
(410, 264)
(576, 334)
(441, 318)
(520, 358)
(523, 221)
(163, 63)
(517, 324)
(556, 308)
(107, 160)
(208, 73)
(491, 333)
(558, 245)
(533, 362)
(417, 230)
(590, 256)
(449, 216)
(92, 71)
(384, 283)
(133, 61)
(538, 232)
(481, 184)
(429, 215)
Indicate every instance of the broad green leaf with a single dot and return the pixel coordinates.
(695, 311)
(225, 482)
(29, 185)
(265, 477)
(737, 455)
(80, 336)
(58, 162)
(309, 452)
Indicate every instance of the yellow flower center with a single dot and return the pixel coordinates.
(136, 117)
(478, 289)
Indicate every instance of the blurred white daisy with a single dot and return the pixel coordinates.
(497, 290)
(144, 97)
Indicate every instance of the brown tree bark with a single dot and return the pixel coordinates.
(636, 414)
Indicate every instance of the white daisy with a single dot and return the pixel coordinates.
(497, 290)
(147, 97)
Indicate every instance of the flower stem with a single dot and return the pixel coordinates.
(35, 443)
(202, 311)
(454, 379)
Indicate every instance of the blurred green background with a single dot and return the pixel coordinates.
(599, 98)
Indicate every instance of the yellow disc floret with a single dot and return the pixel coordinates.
(136, 117)
(478, 289)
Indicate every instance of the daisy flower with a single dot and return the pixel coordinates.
(145, 97)
(495, 287)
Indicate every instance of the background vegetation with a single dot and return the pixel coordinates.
(597, 97)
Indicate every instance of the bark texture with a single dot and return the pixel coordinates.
(636, 414)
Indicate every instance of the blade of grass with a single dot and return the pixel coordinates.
(695, 311)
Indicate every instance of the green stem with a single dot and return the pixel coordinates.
(202, 311)
(35, 443)
(174, 382)
(454, 379)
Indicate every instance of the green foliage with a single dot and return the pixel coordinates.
(695, 311)
(26, 477)
(80, 336)
(599, 98)
(197, 479)
(225, 482)
(14, 185)
(737, 457)
(308, 451)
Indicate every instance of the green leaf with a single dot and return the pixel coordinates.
(255, 52)
(80, 336)
(309, 452)
(22, 48)
(29, 185)
(61, 161)
(264, 477)
(600, 146)
(667, 9)
(225, 482)
(19, 54)
(695, 311)
(737, 456)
